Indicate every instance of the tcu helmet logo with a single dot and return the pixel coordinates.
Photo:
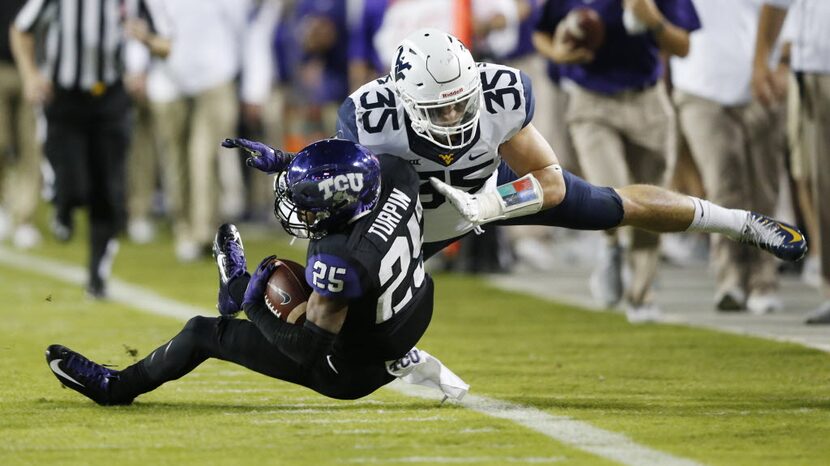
(340, 183)
(400, 65)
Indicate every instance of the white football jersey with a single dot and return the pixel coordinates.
(374, 117)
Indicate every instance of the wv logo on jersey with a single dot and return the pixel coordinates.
(346, 182)
(446, 158)
(400, 65)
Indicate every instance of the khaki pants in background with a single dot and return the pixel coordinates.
(20, 152)
(551, 107)
(622, 139)
(190, 130)
(143, 164)
(739, 151)
(815, 113)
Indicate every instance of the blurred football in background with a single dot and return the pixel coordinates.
(287, 291)
(584, 29)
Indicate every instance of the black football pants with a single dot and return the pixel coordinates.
(240, 341)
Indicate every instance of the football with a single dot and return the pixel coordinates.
(584, 29)
(287, 291)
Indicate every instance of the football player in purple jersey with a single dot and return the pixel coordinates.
(371, 299)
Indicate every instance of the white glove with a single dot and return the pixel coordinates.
(514, 199)
(468, 205)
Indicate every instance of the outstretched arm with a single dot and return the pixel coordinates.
(528, 153)
(260, 155)
(540, 185)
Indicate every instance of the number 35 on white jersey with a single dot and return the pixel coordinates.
(374, 117)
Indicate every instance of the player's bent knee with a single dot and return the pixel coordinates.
(198, 328)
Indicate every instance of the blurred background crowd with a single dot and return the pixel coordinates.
(727, 118)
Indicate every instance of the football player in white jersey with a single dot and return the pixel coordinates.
(466, 129)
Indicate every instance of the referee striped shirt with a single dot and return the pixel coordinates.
(84, 39)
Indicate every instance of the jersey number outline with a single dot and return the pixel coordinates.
(386, 102)
(332, 283)
(404, 249)
(496, 96)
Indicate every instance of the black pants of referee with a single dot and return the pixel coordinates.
(87, 138)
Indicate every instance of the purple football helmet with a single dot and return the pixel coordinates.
(327, 185)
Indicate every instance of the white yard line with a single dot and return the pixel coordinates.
(577, 434)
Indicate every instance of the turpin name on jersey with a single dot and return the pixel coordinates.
(390, 215)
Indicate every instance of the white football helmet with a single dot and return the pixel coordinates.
(437, 80)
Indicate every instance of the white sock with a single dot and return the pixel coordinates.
(712, 218)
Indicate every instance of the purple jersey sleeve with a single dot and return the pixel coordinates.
(333, 277)
(552, 13)
(681, 13)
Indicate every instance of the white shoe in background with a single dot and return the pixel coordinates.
(5, 225)
(141, 231)
(26, 236)
(764, 303)
(811, 272)
(645, 313)
(535, 253)
(188, 251)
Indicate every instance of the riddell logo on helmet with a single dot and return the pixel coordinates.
(444, 95)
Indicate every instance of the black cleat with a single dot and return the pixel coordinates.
(230, 259)
(82, 375)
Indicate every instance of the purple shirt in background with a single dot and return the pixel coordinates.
(526, 27)
(291, 57)
(361, 39)
(623, 62)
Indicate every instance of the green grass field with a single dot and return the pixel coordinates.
(694, 394)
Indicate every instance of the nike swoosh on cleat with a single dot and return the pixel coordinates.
(796, 235)
(328, 360)
(53, 364)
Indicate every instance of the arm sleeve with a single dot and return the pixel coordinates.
(551, 16)
(304, 344)
(347, 121)
(681, 13)
(31, 13)
(333, 276)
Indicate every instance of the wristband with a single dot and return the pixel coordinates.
(519, 197)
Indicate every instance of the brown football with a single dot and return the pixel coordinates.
(287, 291)
(584, 28)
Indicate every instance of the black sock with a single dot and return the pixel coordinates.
(237, 287)
(170, 361)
